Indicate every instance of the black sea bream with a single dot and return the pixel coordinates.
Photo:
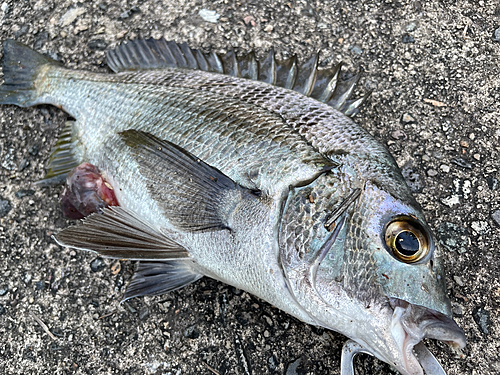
(248, 172)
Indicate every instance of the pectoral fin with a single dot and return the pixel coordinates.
(194, 196)
(118, 233)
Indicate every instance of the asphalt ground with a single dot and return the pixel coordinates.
(434, 70)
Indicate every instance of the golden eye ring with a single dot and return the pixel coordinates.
(407, 239)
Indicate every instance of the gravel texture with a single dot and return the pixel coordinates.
(434, 70)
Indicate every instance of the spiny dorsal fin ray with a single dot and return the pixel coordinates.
(343, 92)
(286, 73)
(267, 68)
(306, 78)
(249, 67)
(326, 82)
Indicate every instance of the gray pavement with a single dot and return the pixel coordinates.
(434, 70)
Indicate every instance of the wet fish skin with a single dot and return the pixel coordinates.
(292, 160)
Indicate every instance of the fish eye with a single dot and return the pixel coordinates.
(406, 239)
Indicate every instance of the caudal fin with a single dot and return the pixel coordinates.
(20, 66)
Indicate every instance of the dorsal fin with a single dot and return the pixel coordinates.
(321, 84)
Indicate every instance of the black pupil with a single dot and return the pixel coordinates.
(407, 243)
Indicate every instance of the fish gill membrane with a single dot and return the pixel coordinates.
(183, 152)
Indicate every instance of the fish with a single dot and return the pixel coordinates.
(251, 172)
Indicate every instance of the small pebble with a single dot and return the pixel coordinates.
(451, 201)
(432, 173)
(292, 367)
(40, 40)
(356, 50)
(143, 313)
(492, 183)
(191, 332)
(461, 163)
(236, 291)
(408, 39)
(97, 264)
(3, 290)
(272, 363)
(97, 44)
(398, 134)
(458, 309)
(407, 119)
(209, 15)
(70, 15)
(412, 26)
(495, 215)
(40, 285)
(426, 158)
(2, 310)
(458, 280)
(116, 267)
(496, 295)
(4, 207)
(34, 150)
(445, 168)
(496, 35)
(268, 28)
(24, 193)
(482, 318)
(5, 7)
(480, 227)
(129, 12)
(24, 29)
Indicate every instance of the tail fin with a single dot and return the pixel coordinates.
(20, 68)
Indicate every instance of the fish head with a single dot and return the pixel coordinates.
(375, 274)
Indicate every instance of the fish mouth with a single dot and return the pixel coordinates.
(411, 324)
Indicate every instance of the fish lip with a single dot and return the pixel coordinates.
(413, 323)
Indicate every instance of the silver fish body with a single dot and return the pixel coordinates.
(253, 184)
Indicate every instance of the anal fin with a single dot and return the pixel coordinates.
(154, 278)
(119, 233)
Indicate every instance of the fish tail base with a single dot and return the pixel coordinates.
(21, 66)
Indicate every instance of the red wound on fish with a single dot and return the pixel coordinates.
(86, 191)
